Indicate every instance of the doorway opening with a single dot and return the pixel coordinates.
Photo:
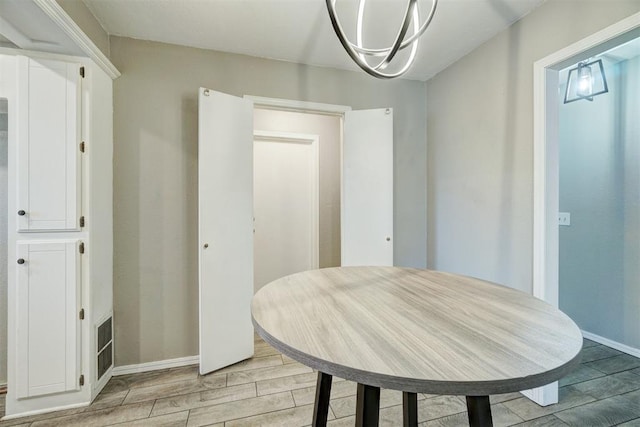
(4, 139)
(296, 192)
(285, 205)
(599, 195)
(547, 101)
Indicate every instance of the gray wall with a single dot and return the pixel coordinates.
(631, 205)
(3, 239)
(328, 129)
(480, 142)
(155, 175)
(599, 186)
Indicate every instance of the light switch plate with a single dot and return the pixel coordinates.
(564, 218)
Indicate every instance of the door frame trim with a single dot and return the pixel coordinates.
(58, 15)
(303, 138)
(298, 106)
(546, 101)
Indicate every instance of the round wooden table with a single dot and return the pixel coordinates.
(418, 331)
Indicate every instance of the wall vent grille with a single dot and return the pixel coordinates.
(105, 346)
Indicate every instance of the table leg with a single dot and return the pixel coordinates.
(367, 406)
(321, 406)
(409, 409)
(479, 411)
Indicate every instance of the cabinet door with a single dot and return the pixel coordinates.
(48, 105)
(48, 330)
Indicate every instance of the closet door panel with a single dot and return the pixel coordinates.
(225, 189)
(48, 145)
(367, 188)
(48, 298)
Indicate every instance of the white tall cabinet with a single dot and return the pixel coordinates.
(60, 240)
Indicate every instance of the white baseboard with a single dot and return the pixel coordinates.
(102, 382)
(156, 366)
(44, 411)
(613, 344)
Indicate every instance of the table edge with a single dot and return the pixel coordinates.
(466, 388)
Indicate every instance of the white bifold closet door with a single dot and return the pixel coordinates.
(367, 188)
(225, 190)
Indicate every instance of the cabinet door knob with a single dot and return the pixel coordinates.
(20, 261)
(388, 239)
(21, 212)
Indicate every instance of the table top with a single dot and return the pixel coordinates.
(417, 330)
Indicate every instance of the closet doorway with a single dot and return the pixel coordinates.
(285, 205)
(360, 225)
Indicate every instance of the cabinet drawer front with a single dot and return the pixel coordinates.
(48, 145)
(48, 330)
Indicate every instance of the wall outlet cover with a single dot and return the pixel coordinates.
(564, 218)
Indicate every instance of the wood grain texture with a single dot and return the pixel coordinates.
(417, 330)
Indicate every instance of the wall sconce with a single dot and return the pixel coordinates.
(586, 81)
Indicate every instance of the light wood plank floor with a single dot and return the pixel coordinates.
(273, 390)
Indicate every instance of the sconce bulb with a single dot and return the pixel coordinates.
(585, 80)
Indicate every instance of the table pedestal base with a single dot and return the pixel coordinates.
(479, 410)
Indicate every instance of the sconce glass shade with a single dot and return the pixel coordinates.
(586, 81)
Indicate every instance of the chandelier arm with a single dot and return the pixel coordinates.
(348, 46)
(424, 26)
(416, 25)
(412, 54)
(405, 43)
(355, 52)
(359, 42)
(393, 50)
(414, 46)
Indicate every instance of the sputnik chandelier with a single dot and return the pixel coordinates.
(364, 56)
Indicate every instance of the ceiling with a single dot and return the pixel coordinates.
(300, 30)
(625, 51)
(23, 24)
